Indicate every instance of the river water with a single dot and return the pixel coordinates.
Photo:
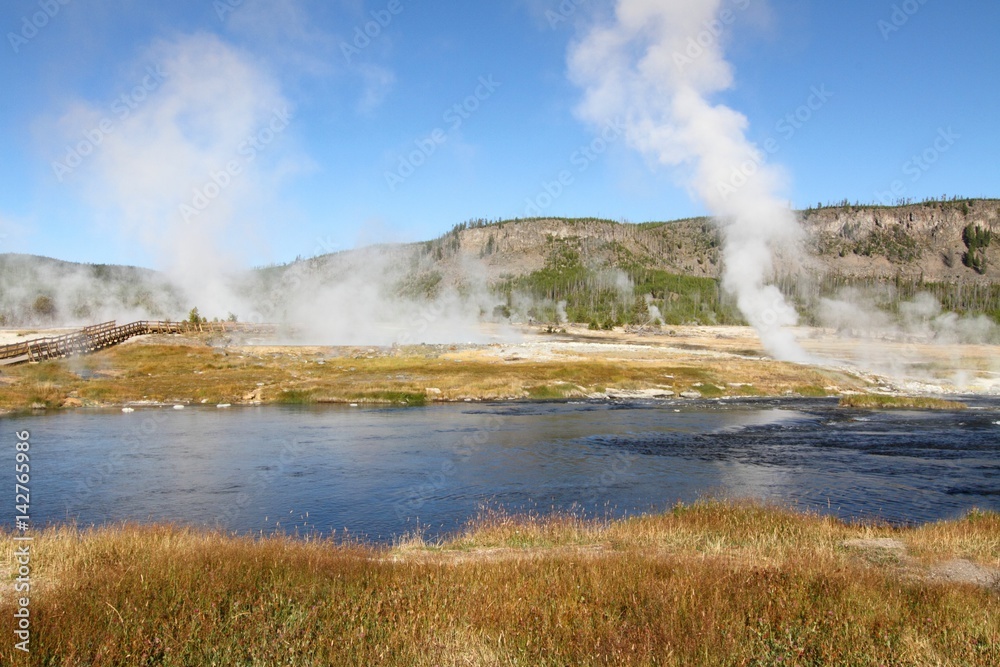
(380, 473)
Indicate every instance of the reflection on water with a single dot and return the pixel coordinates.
(381, 472)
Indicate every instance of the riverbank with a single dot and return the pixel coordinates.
(680, 362)
(708, 584)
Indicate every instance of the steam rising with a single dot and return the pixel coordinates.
(185, 158)
(640, 68)
(377, 295)
(180, 173)
(915, 344)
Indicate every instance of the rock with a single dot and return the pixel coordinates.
(690, 394)
(632, 394)
(72, 402)
(888, 543)
(965, 572)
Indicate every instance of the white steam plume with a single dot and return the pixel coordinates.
(184, 156)
(361, 298)
(920, 343)
(641, 69)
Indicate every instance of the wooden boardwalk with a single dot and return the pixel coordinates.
(99, 336)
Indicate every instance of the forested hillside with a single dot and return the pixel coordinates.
(585, 270)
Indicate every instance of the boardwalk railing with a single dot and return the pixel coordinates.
(99, 336)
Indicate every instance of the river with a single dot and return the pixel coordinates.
(379, 473)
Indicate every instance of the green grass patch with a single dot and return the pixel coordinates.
(296, 397)
(549, 392)
(47, 371)
(881, 402)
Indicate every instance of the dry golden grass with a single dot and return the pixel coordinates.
(708, 584)
(194, 372)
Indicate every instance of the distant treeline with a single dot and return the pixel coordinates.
(616, 295)
(40, 290)
(961, 298)
(591, 296)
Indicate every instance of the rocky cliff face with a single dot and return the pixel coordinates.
(919, 239)
(519, 247)
(865, 242)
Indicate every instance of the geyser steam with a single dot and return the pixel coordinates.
(654, 68)
(180, 170)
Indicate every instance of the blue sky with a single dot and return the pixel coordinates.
(887, 82)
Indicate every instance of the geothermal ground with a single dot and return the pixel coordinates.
(526, 364)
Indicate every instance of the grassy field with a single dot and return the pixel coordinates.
(162, 369)
(708, 584)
